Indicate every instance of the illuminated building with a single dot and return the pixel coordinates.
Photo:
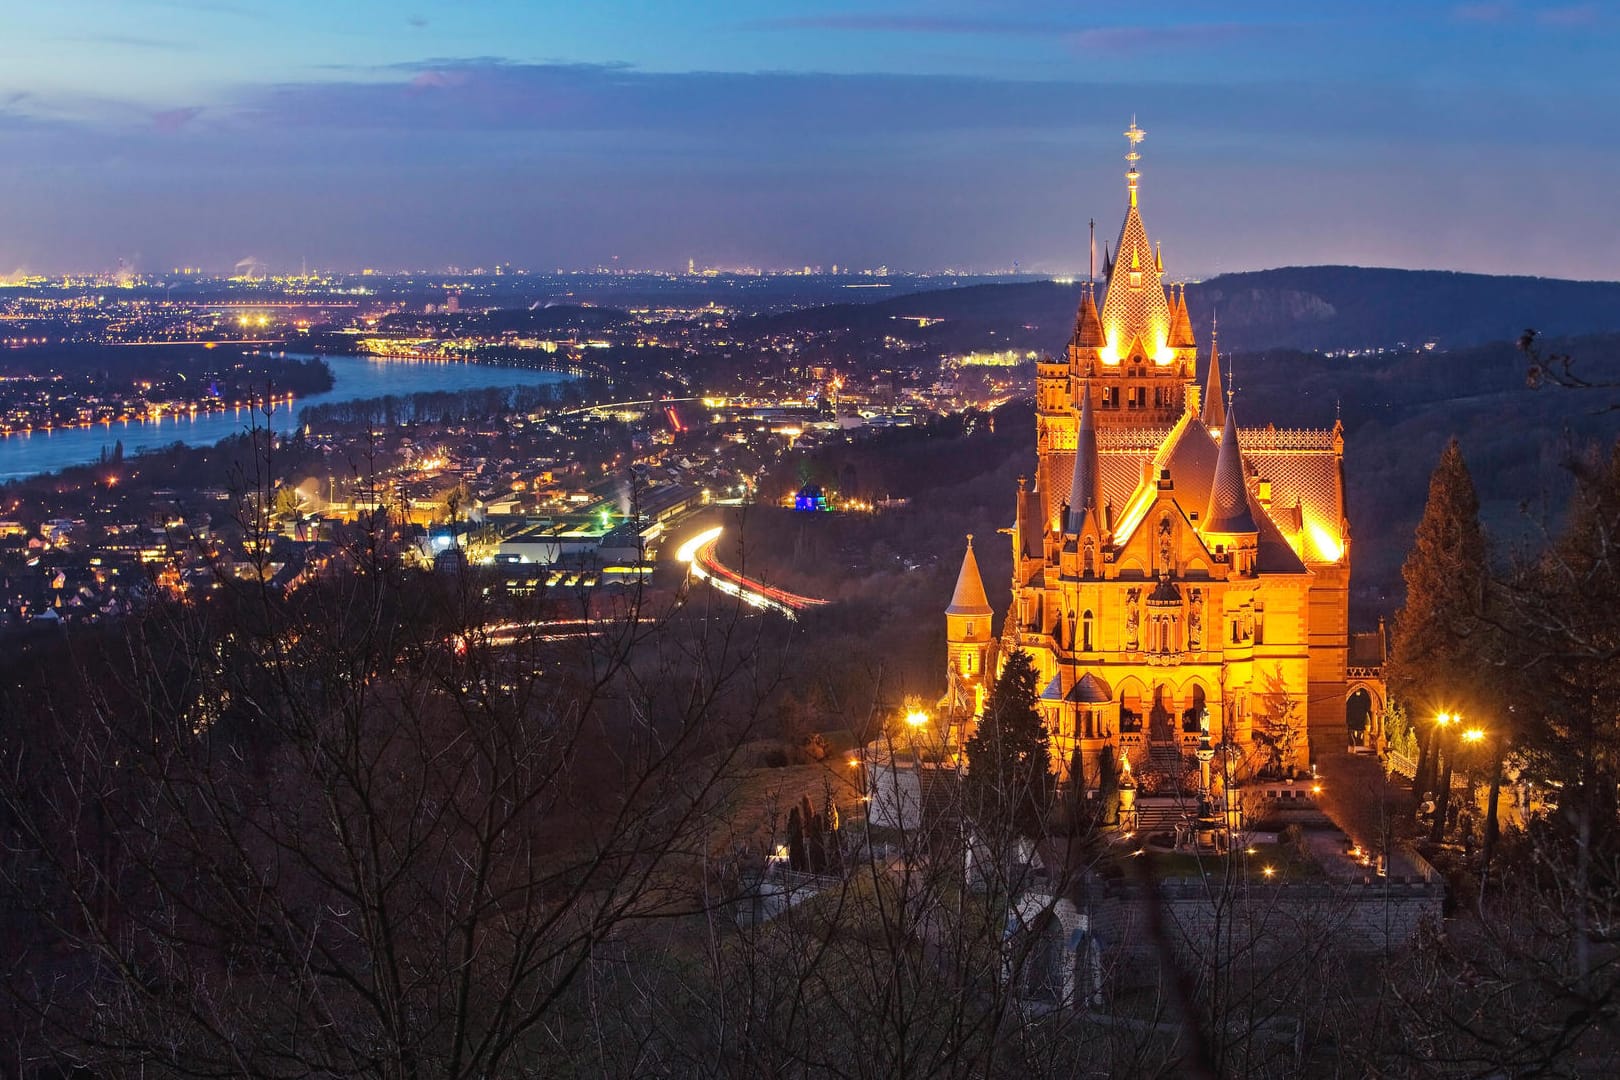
(1166, 561)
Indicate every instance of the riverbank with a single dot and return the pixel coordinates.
(354, 378)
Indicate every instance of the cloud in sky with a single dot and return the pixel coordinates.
(482, 159)
(170, 121)
(908, 24)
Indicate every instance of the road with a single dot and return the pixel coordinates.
(699, 552)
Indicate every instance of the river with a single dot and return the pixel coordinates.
(353, 377)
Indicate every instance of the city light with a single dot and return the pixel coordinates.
(1473, 735)
(917, 718)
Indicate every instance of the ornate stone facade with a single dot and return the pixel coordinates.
(1166, 561)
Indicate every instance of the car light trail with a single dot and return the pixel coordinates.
(699, 553)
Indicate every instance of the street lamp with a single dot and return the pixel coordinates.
(1473, 735)
(1443, 796)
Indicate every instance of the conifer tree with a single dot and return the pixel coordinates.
(1010, 756)
(1565, 610)
(1436, 659)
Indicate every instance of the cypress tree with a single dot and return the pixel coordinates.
(1437, 657)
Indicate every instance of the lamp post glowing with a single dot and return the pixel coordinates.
(1446, 723)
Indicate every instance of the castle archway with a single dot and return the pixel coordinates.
(1361, 709)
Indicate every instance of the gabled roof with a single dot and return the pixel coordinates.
(969, 597)
(1274, 554)
(1190, 454)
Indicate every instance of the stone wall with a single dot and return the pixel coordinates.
(1364, 920)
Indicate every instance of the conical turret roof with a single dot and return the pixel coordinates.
(1214, 405)
(1085, 486)
(1088, 331)
(969, 597)
(1229, 510)
(1181, 331)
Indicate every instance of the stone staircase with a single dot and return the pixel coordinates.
(1161, 815)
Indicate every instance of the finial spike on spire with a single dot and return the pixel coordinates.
(1134, 135)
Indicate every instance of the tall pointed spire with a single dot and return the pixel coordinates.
(1084, 493)
(969, 597)
(1181, 331)
(1229, 510)
(1135, 312)
(1214, 401)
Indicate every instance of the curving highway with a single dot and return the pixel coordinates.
(698, 552)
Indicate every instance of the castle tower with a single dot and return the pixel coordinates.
(1146, 349)
(1169, 569)
(967, 636)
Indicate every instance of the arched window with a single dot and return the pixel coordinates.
(1190, 720)
(1085, 631)
(1130, 710)
(1091, 559)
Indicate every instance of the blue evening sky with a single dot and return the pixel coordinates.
(968, 133)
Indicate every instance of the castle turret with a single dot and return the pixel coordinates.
(1088, 329)
(1181, 331)
(1228, 521)
(967, 628)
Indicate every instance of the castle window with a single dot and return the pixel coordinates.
(1136, 279)
(1190, 720)
(970, 626)
(1091, 559)
(1259, 624)
(1085, 629)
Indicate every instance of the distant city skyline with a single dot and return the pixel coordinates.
(1470, 136)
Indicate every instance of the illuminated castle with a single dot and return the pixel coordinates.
(1171, 568)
